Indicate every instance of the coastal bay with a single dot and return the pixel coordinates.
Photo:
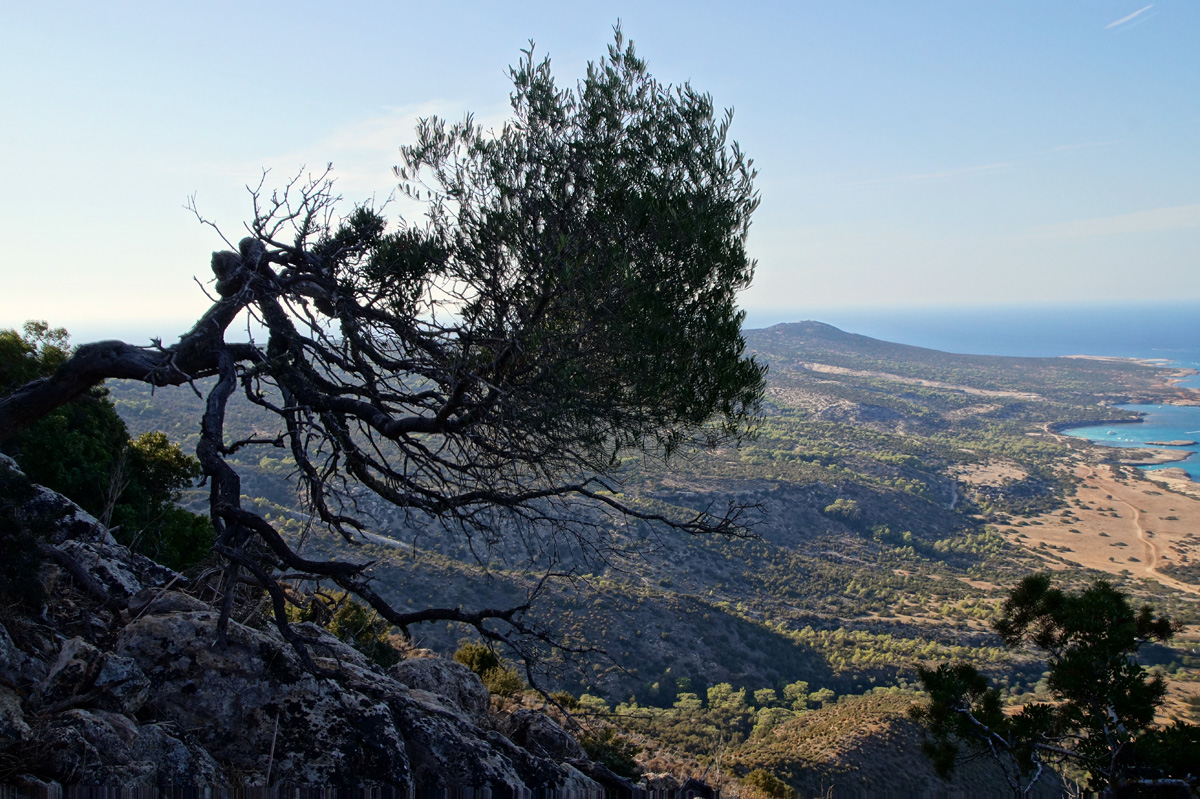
(1160, 425)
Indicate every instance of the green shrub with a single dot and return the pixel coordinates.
(83, 451)
(498, 677)
(350, 621)
(613, 750)
(769, 784)
(844, 509)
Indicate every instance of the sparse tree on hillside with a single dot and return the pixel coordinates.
(1102, 716)
(570, 303)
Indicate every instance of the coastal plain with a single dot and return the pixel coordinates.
(1120, 522)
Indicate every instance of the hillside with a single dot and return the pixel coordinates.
(794, 346)
(898, 493)
(859, 745)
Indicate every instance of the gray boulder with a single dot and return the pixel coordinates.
(121, 684)
(451, 682)
(160, 601)
(541, 735)
(13, 727)
(71, 674)
(16, 667)
(300, 729)
(92, 747)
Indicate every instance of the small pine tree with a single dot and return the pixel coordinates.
(1100, 716)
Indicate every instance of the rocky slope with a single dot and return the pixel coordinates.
(111, 675)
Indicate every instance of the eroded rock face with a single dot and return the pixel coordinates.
(141, 695)
(323, 733)
(452, 682)
(541, 735)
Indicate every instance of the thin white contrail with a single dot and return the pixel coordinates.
(1123, 20)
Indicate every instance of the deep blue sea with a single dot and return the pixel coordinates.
(1167, 331)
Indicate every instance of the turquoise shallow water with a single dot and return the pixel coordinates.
(1159, 423)
(1162, 331)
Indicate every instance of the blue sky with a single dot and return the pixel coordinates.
(910, 154)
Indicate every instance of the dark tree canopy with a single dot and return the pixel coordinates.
(569, 304)
(83, 450)
(1101, 718)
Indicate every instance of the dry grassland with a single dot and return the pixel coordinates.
(1118, 520)
(915, 381)
(990, 473)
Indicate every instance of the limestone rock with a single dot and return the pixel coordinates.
(159, 601)
(122, 684)
(119, 682)
(92, 748)
(102, 749)
(660, 784)
(446, 753)
(71, 674)
(327, 734)
(452, 682)
(541, 735)
(16, 667)
(331, 652)
(537, 773)
(577, 785)
(176, 763)
(612, 783)
(70, 522)
(13, 727)
(120, 572)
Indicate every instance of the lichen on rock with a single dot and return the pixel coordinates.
(117, 680)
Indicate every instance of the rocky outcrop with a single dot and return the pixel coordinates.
(111, 676)
(541, 735)
(453, 682)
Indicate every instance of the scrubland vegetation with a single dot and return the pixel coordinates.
(872, 556)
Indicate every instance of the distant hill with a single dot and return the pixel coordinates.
(865, 746)
(790, 345)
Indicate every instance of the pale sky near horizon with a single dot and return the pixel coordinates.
(910, 154)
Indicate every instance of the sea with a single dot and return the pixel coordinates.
(1168, 332)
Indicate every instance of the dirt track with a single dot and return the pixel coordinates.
(1150, 553)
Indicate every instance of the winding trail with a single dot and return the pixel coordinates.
(1150, 553)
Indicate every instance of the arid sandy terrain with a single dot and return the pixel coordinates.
(1121, 521)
